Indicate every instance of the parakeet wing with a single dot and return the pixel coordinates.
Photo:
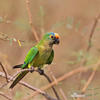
(30, 56)
(50, 59)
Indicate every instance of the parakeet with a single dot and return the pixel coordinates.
(39, 55)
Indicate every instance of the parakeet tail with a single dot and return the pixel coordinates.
(19, 77)
(17, 66)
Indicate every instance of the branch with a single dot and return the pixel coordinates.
(30, 20)
(65, 76)
(88, 49)
(10, 78)
(89, 79)
(3, 94)
(63, 94)
(35, 89)
(52, 86)
(23, 70)
(92, 32)
(4, 71)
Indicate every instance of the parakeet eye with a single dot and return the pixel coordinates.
(51, 36)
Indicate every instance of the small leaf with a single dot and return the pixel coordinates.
(19, 43)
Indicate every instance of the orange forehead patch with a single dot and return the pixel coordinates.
(57, 36)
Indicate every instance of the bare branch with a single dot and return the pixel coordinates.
(4, 71)
(6, 96)
(52, 86)
(88, 49)
(63, 94)
(92, 32)
(30, 20)
(89, 80)
(65, 76)
(27, 85)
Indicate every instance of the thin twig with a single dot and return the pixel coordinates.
(65, 76)
(4, 71)
(88, 49)
(30, 20)
(89, 42)
(92, 32)
(6, 96)
(35, 89)
(63, 94)
(27, 85)
(89, 79)
(52, 86)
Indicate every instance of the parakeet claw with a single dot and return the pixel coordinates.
(32, 69)
(41, 72)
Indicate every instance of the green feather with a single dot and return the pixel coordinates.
(50, 59)
(19, 77)
(30, 56)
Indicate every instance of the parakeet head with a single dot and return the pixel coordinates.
(51, 38)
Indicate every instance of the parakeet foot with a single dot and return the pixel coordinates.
(41, 72)
(32, 69)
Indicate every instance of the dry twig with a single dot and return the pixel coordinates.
(65, 76)
(4, 71)
(92, 32)
(6, 96)
(10, 78)
(52, 86)
(63, 94)
(30, 20)
(88, 49)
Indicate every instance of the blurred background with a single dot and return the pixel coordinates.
(73, 20)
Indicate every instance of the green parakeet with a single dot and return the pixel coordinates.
(39, 55)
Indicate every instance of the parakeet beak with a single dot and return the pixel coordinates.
(56, 39)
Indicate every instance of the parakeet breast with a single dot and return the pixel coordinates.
(42, 57)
